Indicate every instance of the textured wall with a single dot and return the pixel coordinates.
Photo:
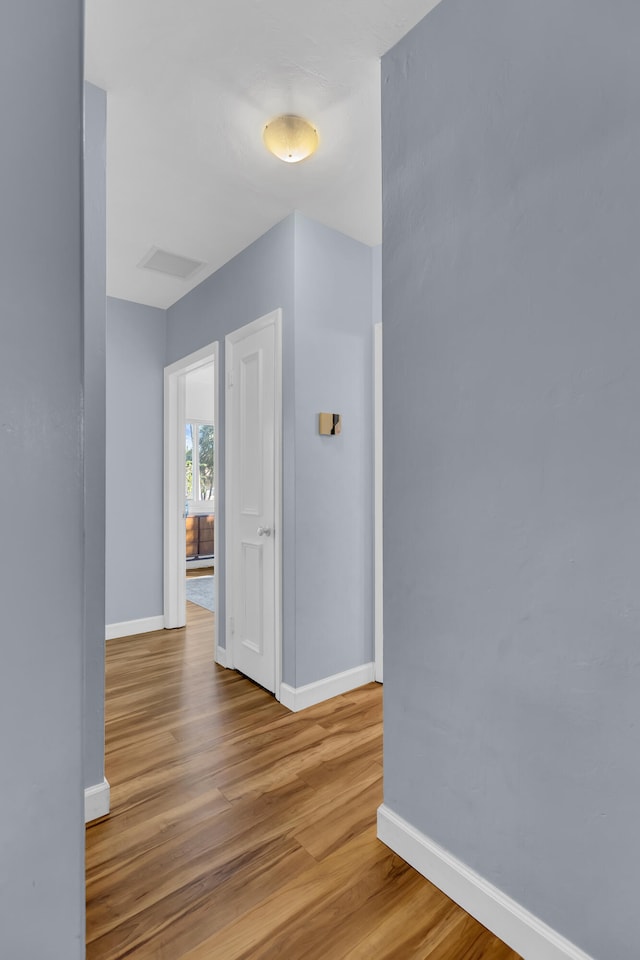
(41, 482)
(511, 149)
(136, 344)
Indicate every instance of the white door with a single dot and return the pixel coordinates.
(253, 499)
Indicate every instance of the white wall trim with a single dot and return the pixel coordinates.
(97, 800)
(519, 928)
(128, 628)
(378, 477)
(221, 656)
(298, 698)
(200, 564)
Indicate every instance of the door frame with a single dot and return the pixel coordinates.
(270, 319)
(174, 526)
(378, 501)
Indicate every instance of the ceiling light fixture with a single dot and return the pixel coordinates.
(290, 138)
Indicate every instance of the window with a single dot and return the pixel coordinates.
(199, 462)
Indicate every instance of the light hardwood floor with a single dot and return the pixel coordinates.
(240, 831)
(199, 572)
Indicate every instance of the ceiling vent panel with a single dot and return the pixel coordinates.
(171, 264)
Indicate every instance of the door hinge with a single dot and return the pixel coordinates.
(230, 379)
(232, 625)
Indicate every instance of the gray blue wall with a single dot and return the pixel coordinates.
(136, 344)
(511, 150)
(41, 482)
(323, 282)
(333, 475)
(255, 282)
(95, 259)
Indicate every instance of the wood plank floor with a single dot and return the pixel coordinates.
(240, 831)
(200, 572)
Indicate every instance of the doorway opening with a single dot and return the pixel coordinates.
(191, 472)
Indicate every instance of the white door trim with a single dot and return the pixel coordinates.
(174, 527)
(270, 319)
(378, 564)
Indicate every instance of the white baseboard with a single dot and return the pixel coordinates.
(298, 698)
(97, 800)
(200, 564)
(221, 656)
(519, 928)
(128, 628)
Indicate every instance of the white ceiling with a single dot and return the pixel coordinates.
(191, 84)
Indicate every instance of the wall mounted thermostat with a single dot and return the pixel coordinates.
(330, 424)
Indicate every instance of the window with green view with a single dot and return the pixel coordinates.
(199, 461)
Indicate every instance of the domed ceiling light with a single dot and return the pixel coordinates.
(290, 138)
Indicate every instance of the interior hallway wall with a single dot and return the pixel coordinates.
(95, 303)
(323, 282)
(136, 345)
(333, 475)
(511, 150)
(41, 482)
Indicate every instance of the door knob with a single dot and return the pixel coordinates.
(264, 531)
